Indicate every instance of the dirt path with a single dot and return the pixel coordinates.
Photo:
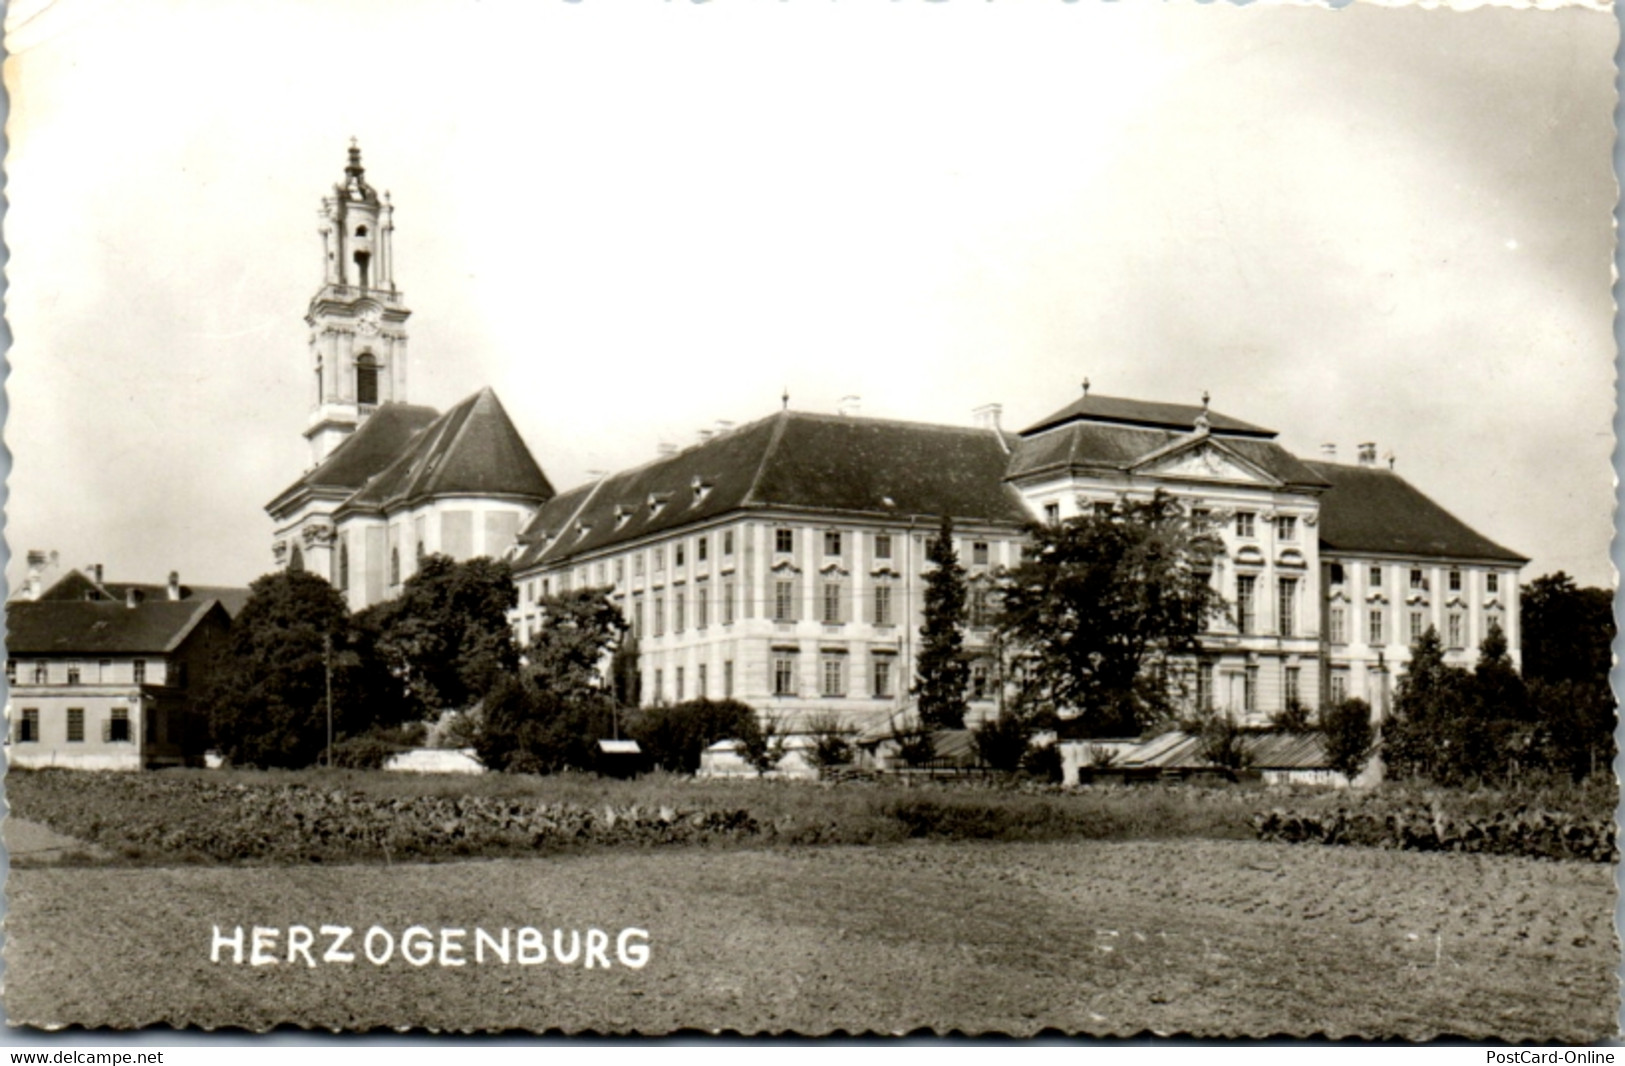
(33, 843)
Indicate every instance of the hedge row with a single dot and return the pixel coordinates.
(1529, 833)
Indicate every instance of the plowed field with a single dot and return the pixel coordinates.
(1213, 938)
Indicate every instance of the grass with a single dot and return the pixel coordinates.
(1211, 938)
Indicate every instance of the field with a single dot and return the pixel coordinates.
(781, 907)
(1213, 938)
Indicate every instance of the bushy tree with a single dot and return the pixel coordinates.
(579, 633)
(528, 728)
(764, 747)
(673, 737)
(831, 741)
(1568, 631)
(1002, 741)
(268, 703)
(1348, 735)
(1221, 739)
(1103, 610)
(1433, 731)
(942, 672)
(445, 639)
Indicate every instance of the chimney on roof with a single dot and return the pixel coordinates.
(41, 569)
(1390, 457)
(849, 406)
(132, 596)
(1368, 453)
(1328, 452)
(666, 449)
(987, 416)
(96, 572)
(724, 427)
(174, 589)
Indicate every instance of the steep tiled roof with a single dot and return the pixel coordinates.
(1116, 409)
(1370, 509)
(102, 627)
(791, 460)
(373, 446)
(471, 450)
(76, 585)
(1087, 445)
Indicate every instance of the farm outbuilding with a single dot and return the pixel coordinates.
(1278, 758)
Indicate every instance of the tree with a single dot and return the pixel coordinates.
(942, 673)
(579, 631)
(1105, 609)
(1346, 728)
(1431, 733)
(1568, 632)
(446, 639)
(1001, 742)
(832, 741)
(1221, 740)
(764, 747)
(268, 703)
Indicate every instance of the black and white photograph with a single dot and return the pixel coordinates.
(1012, 518)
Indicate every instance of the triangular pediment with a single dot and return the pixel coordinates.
(1203, 459)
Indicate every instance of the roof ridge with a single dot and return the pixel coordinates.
(909, 422)
(192, 622)
(783, 419)
(428, 478)
(586, 498)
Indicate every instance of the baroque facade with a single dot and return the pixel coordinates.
(780, 563)
(390, 481)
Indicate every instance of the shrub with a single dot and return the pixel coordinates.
(1043, 762)
(527, 729)
(1346, 726)
(367, 752)
(674, 737)
(832, 741)
(1002, 742)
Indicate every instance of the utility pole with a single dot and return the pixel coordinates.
(327, 657)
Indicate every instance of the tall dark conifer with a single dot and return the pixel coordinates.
(942, 672)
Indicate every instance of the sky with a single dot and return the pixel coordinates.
(635, 219)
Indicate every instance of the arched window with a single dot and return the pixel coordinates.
(366, 379)
(394, 566)
(361, 261)
(341, 564)
(297, 560)
(361, 231)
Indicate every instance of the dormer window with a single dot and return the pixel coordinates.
(657, 502)
(582, 529)
(701, 489)
(622, 514)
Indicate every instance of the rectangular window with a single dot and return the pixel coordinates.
(1334, 573)
(702, 607)
(980, 613)
(882, 545)
(727, 542)
(978, 553)
(600, 571)
(1286, 606)
(728, 604)
(700, 548)
(547, 587)
(660, 686)
(177, 674)
(699, 681)
(882, 677)
(1375, 634)
(832, 543)
(42, 674)
(1418, 581)
(620, 570)
(1245, 618)
(1286, 527)
(1102, 509)
(784, 541)
(1052, 513)
(677, 554)
(1244, 524)
(660, 616)
(784, 674)
(118, 726)
(1204, 686)
(784, 601)
(1454, 623)
(138, 671)
(978, 681)
(1249, 690)
(1294, 689)
(637, 617)
(1455, 581)
(1337, 629)
(660, 560)
(29, 730)
(1492, 583)
(727, 679)
(1374, 578)
(678, 692)
(1417, 626)
(76, 725)
(637, 565)
(883, 615)
(1340, 685)
(832, 603)
(834, 675)
(73, 674)
(678, 602)
(1492, 620)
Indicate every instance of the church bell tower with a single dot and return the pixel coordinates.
(357, 319)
